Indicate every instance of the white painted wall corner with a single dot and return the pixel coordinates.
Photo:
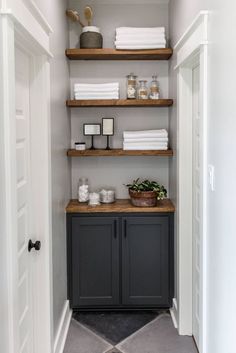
(60, 338)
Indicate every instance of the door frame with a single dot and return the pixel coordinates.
(192, 45)
(22, 24)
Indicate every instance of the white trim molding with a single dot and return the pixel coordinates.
(30, 21)
(192, 46)
(174, 313)
(62, 331)
(195, 36)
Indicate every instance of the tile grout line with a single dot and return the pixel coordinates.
(94, 334)
(142, 328)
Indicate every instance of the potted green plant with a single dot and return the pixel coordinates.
(146, 193)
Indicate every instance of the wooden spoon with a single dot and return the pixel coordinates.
(74, 16)
(88, 13)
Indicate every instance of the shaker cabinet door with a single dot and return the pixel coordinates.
(94, 262)
(145, 261)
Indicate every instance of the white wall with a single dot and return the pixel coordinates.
(54, 11)
(221, 266)
(118, 171)
(222, 152)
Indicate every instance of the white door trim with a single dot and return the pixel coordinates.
(193, 43)
(21, 23)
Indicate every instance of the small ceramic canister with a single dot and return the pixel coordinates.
(91, 38)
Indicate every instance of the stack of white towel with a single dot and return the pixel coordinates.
(145, 140)
(96, 90)
(132, 38)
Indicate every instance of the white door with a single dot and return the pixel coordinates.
(24, 306)
(197, 205)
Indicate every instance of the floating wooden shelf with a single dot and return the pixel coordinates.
(121, 206)
(120, 103)
(118, 153)
(113, 54)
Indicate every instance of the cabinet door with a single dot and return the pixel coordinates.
(145, 263)
(95, 261)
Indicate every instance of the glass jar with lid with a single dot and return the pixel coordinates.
(83, 190)
(154, 88)
(131, 86)
(142, 90)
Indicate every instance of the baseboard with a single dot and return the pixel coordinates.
(174, 313)
(63, 328)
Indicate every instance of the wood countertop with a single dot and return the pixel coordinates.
(120, 206)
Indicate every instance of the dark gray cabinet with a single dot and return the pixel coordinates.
(94, 261)
(145, 260)
(120, 260)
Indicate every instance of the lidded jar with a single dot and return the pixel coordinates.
(154, 88)
(83, 190)
(143, 90)
(131, 86)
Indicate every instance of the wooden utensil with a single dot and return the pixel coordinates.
(88, 13)
(74, 16)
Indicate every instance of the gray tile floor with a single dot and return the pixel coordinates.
(158, 336)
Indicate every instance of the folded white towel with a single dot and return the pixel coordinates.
(145, 148)
(90, 97)
(137, 47)
(141, 30)
(145, 133)
(150, 144)
(98, 86)
(146, 139)
(140, 36)
(97, 94)
(140, 42)
(95, 89)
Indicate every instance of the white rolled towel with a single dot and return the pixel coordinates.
(137, 47)
(141, 30)
(145, 133)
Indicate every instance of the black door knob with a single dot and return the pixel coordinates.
(36, 245)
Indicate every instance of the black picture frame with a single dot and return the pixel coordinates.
(91, 124)
(92, 135)
(112, 119)
(108, 135)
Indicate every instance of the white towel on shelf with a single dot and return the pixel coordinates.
(94, 89)
(146, 139)
(97, 85)
(94, 97)
(142, 37)
(137, 47)
(98, 94)
(150, 144)
(141, 30)
(145, 133)
(140, 42)
(145, 147)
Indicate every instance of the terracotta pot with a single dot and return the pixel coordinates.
(143, 198)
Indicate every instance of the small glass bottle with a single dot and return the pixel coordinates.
(154, 88)
(131, 86)
(143, 90)
(83, 190)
